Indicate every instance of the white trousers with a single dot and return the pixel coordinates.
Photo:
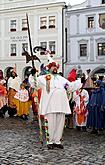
(56, 123)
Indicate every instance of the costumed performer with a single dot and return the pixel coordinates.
(32, 80)
(54, 103)
(96, 109)
(3, 95)
(23, 105)
(81, 98)
(13, 85)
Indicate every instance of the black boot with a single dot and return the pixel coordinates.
(50, 146)
(78, 128)
(25, 117)
(84, 128)
(60, 146)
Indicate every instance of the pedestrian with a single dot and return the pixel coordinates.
(3, 95)
(54, 103)
(13, 85)
(23, 105)
(81, 98)
(32, 89)
(96, 109)
(70, 117)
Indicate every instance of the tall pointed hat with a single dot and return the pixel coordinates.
(72, 75)
(89, 83)
(51, 61)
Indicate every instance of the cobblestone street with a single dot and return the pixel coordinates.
(19, 145)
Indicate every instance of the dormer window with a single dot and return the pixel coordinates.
(103, 1)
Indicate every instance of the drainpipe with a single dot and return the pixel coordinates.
(64, 38)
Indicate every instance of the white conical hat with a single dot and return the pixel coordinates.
(49, 58)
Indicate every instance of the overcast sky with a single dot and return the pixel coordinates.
(74, 2)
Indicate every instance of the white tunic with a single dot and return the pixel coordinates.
(84, 94)
(56, 101)
(22, 95)
(14, 83)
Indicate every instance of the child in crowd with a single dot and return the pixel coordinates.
(22, 97)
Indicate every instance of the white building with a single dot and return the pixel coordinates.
(86, 36)
(46, 20)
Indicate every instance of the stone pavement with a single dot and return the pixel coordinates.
(19, 145)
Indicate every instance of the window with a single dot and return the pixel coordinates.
(103, 1)
(90, 22)
(101, 49)
(43, 22)
(44, 45)
(24, 24)
(83, 50)
(102, 20)
(13, 49)
(51, 21)
(13, 25)
(24, 46)
(52, 47)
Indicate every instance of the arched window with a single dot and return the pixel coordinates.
(27, 71)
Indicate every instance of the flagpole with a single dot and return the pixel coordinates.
(30, 42)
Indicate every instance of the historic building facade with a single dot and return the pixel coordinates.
(86, 36)
(46, 20)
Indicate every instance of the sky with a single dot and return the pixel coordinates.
(74, 2)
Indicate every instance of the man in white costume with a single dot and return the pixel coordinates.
(54, 103)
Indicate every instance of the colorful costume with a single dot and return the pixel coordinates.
(96, 109)
(3, 95)
(13, 85)
(22, 106)
(54, 103)
(32, 92)
(81, 98)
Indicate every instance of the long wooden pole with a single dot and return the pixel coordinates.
(30, 42)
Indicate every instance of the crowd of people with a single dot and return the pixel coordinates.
(56, 100)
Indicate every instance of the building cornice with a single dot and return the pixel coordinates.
(87, 34)
(85, 63)
(85, 10)
(31, 7)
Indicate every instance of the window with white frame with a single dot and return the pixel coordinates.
(12, 25)
(24, 24)
(101, 49)
(44, 45)
(83, 50)
(43, 22)
(13, 49)
(52, 47)
(103, 1)
(51, 21)
(24, 47)
(90, 22)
